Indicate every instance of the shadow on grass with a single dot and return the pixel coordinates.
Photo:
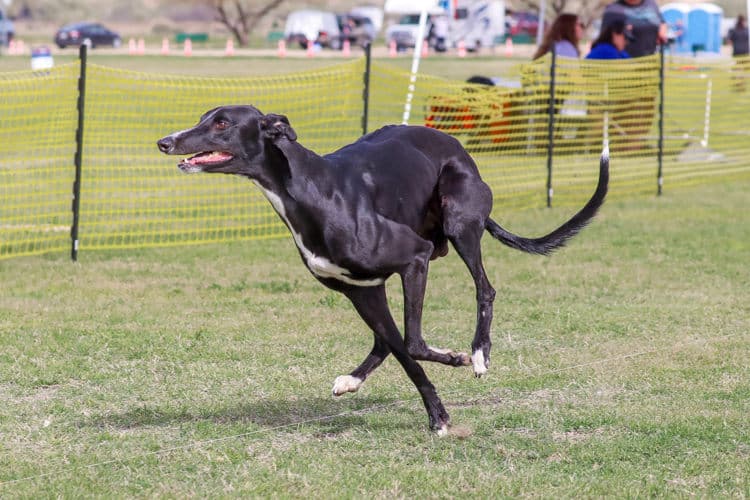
(329, 415)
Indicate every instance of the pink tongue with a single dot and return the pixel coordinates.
(213, 157)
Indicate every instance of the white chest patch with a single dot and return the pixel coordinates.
(319, 266)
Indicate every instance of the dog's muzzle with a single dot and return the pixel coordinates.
(166, 145)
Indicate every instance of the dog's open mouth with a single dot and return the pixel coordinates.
(204, 161)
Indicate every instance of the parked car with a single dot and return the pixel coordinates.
(6, 29)
(523, 23)
(317, 26)
(359, 30)
(90, 34)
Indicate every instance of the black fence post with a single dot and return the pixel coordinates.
(551, 127)
(660, 150)
(366, 89)
(79, 154)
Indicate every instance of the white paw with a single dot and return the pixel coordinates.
(477, 359)
(346, 383)
(443, 431)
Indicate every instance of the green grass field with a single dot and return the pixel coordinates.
(252, 65)
(619, 369)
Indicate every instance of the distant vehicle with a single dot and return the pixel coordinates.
(523, 23)
(7, 31)
(316, 26)
(359, 30)
(374, 13)
(89, 34)
(404, 33)
(478, 23)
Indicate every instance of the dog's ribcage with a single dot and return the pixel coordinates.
(320, 266)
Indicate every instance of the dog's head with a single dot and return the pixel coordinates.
(229, 140)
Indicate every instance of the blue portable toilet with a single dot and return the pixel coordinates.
(704, 27)
(676, 16)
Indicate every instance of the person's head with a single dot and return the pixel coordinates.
(616, 33)
(740, 21)
(564, 27)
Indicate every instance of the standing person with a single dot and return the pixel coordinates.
(440, 33)
(611, 42)
(562, 36)
(738, 37)
(644, 20)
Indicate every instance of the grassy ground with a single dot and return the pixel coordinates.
(254, 63)
(619, 369)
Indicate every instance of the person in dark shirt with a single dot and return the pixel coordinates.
(738, 37)
(610, 44)
(644, 20)
(634, 115)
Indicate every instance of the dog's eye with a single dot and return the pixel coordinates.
(221, 125)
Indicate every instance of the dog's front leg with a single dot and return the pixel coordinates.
(353, 381)
(414, 283)
(372, 306)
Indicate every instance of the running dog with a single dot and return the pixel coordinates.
(386, 204)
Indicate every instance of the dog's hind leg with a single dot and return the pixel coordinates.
(414, 282)
(353, 381)
(464, 213)
(372, 306)
(471, 253)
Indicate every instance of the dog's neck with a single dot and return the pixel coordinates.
(287, 163)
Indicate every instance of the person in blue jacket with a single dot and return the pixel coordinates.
(611, 42)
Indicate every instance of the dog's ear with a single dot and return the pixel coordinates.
(274, 126)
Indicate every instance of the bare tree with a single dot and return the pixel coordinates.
(241, 18)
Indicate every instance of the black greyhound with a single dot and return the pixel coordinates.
(388, 203)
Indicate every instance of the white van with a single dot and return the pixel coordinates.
(478, 23)
(317, 26)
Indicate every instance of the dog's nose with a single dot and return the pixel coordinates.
(166, 144)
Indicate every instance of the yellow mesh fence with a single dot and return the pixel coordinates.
(37, 144)
(133, 196)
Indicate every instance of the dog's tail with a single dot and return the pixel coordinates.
(557, 238)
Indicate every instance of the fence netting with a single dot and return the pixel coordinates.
(532, 145)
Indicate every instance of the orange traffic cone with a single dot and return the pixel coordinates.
(425, 48)
(165, 46)
(346, 49)
(392, 50)
(188, 49)
(509, 46)
(310, 49)
(229, 50)
(461, 48)
(141, 47)
(282, 48)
